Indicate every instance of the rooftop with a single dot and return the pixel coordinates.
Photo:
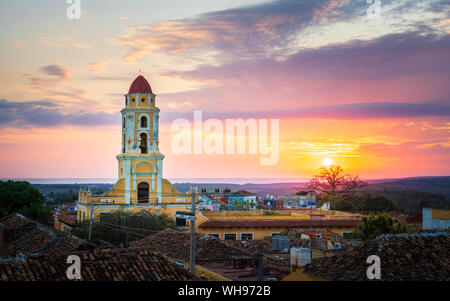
(140, 85)
(23, 235)
(176, 245)
(403, 257)
(136, 264)
(69, 219)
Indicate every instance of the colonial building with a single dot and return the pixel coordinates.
(140, 184)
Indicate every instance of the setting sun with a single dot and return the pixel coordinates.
(327, 161)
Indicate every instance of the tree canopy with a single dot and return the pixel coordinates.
(21, 197)
(367, 202)
(374, 225)
(333, 181)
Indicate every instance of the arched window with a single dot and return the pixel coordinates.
(143, 193)
(143, 143)
(143, 122)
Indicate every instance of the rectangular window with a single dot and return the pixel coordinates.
(274, 233)
(181, 222)
(217, 235)
(246, 236)
(346, 234)
(229, 236)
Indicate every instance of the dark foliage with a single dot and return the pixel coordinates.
(20, 196)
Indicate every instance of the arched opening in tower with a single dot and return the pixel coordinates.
(143, 122)
(143, 193)
(143, 143)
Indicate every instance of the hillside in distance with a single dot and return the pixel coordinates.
(407, 193)
(436, 185)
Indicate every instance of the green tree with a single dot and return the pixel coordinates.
(372, 226)
(21, 197)
(375, 203)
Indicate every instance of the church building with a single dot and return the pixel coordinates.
(140, 184)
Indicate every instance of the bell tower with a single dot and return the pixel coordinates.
(140, 162)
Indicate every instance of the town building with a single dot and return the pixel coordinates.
(242, 200)
(435, 218)
(140, 185)
(65, 219)
(207, 203)
(302, 200)
(257, 224)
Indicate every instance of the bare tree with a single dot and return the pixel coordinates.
(332, 181)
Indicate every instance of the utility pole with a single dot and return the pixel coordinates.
(91, 215)
(260, 269)
(192, 250)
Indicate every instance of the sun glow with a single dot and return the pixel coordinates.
(327, 162)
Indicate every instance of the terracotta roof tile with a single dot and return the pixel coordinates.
(175, 244)
(70, 219)
(133, 264)
(23, 235)
(403, 257)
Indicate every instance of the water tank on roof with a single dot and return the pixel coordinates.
(300, 256)
(280, 243)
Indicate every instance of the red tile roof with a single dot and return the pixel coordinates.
(176, 245)
(278, 223)
(69, 219)
(136, 264)
(23, 235)
(140, 85)
(412, 257)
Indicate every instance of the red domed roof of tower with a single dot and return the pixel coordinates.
(140, 85)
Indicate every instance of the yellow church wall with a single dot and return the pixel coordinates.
(157, 210)
(132, 102)
(144, 167)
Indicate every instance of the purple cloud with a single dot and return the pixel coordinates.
(56, 70)
(48, 114)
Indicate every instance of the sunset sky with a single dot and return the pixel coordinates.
(372, 95)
